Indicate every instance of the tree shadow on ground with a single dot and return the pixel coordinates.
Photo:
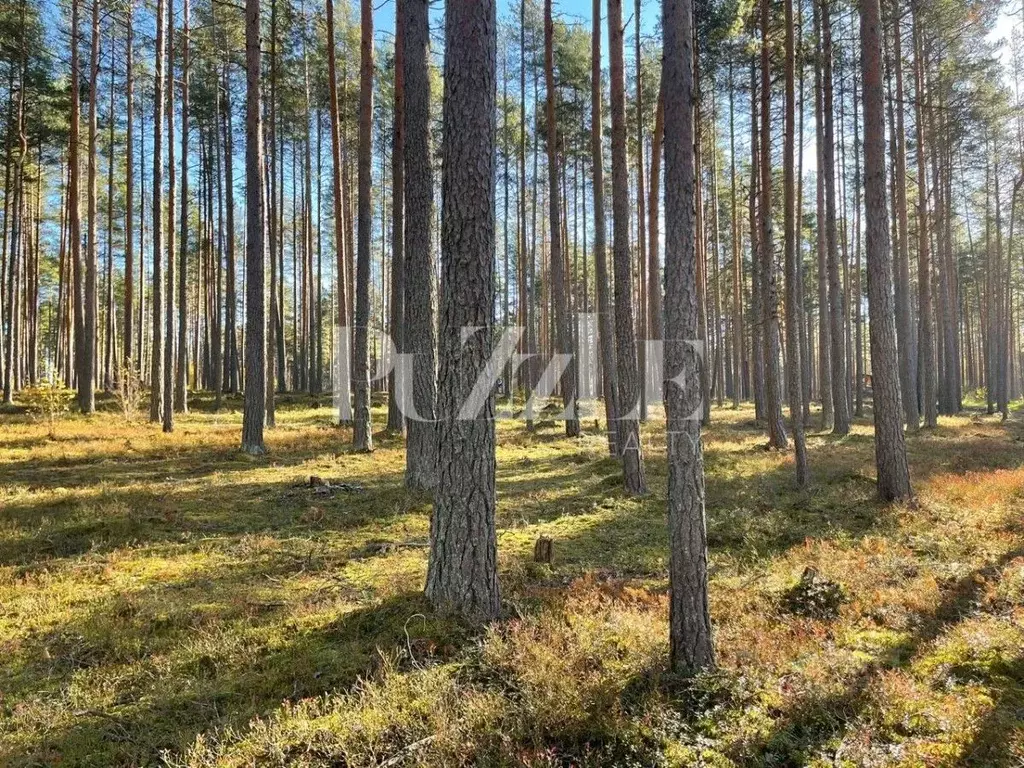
(813, 723)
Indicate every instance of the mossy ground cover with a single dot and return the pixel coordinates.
(168, 600)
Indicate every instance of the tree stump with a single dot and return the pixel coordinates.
(544, 550)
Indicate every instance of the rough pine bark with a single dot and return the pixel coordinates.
(462, 575)
(890, 447)
(254, 411)
(420, 337)
(690, 638)
(628, 376)
(362, 428)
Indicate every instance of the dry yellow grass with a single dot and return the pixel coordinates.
(166, 598)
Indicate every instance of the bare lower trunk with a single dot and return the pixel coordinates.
(362, 428)
(691, 646)
(890, 449)
(462, 574)
(628, 378)
(255, 303)
(420, 337)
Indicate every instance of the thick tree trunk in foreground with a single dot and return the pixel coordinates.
(625, 336)
(420, 325)
(890, 447)
(362, 427)
(690, 619)
(255, 289)
(462, 574)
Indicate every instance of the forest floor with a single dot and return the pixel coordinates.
(168, 600)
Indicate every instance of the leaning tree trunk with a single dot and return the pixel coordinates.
(606, 331)
(691, 646)
(462, 575)
(890, 447)
(628, 376)
(362, 431)
(254, 412)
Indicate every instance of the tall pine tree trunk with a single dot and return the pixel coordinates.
(890, 448)
(420, 322)
(691, 646)
(605, 317)
(362, 432)
(628, 378)
(462, 574)
(254, 412)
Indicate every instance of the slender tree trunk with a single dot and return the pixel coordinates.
(770, 316)
(564, 344)
(420, 322)
(462, 574)
(87, 370)
(924, 267)
(181, 364)
(837, 313)
(605, 317)
(691, 646)
(793, 298)
(131, 363)
(890, 448)
(170, 338)
(362, 432)
(628, 378)
(156, 380)
(904, 320)
(396, 421)
(254, 412)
